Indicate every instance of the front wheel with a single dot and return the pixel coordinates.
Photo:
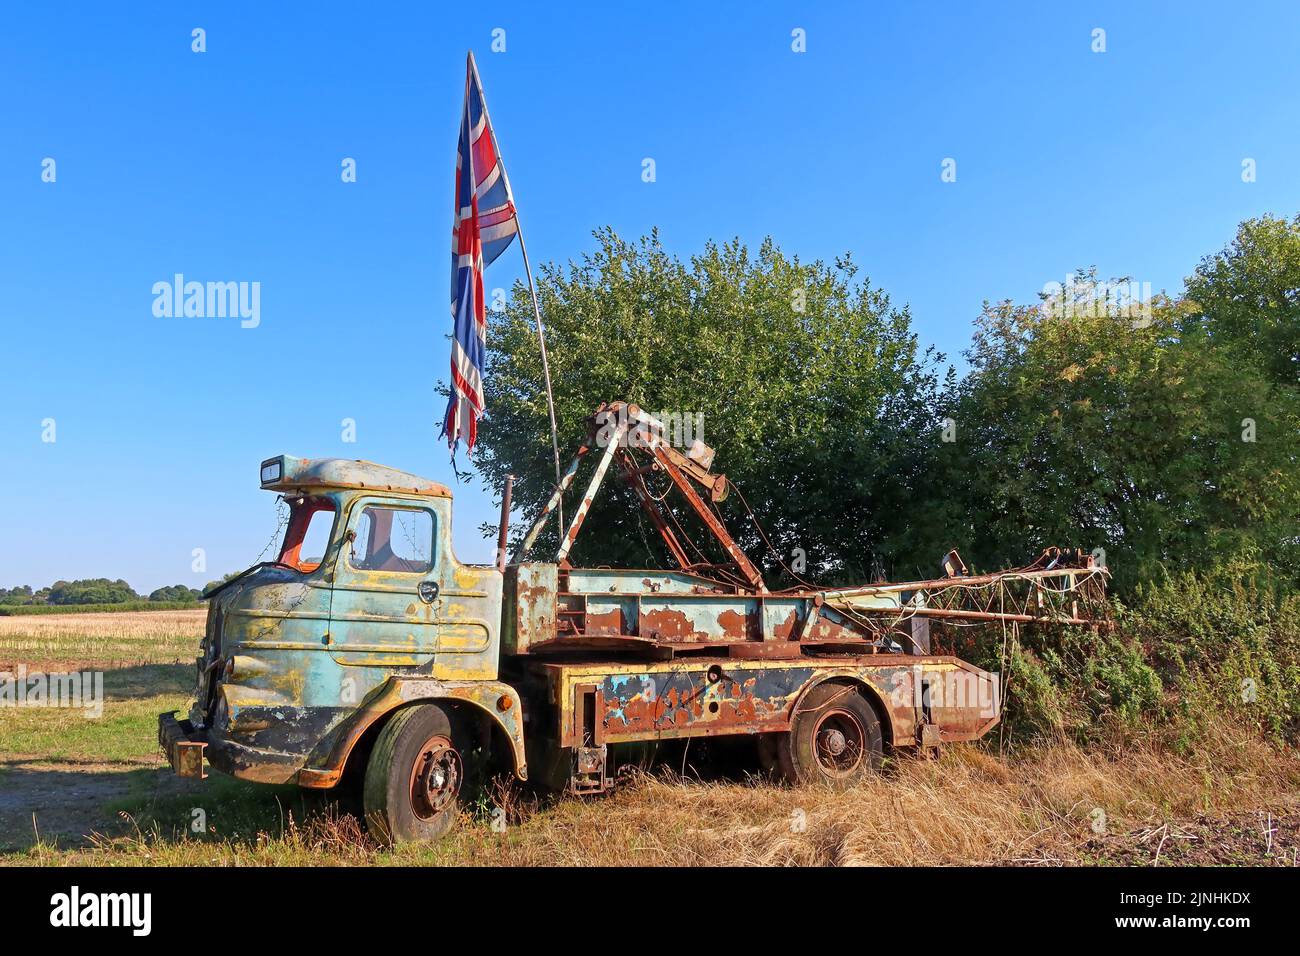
(835, 738)
(414, 777)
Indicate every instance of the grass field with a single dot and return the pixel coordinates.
(78, 790)
(124, 639)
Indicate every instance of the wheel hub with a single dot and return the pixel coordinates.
(840, 742)
(835, 742)
(435, 778)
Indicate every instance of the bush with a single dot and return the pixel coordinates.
(1192, 654)
(1230, 645)
(1071, 683)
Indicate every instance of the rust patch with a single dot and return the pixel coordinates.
(784, 629)
(608, 622)
(667, 624)
(735, 625)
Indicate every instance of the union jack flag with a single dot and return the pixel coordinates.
(484, 225)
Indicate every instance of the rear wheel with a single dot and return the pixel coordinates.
(414, 776)
(835, 738)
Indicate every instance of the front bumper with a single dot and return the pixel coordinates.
(188, 748)
(183, 745)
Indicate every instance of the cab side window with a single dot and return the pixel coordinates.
(393, 539)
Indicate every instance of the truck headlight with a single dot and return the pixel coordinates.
(271, 471)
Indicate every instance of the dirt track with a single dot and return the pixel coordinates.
(65, 802)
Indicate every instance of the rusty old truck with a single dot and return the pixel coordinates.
(367, 656)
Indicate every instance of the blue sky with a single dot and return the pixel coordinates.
(225, 166)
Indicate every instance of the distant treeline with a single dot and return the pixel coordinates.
(30, 610)
(94, 591)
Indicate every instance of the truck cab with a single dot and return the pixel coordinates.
(363, 608)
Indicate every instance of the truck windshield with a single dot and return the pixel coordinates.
(308, 533)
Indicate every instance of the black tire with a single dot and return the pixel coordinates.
(835, 738)
(414, 777)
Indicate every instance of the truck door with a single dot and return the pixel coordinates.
(386, 593)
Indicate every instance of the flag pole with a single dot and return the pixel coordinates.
(532, 290)
(546, 365)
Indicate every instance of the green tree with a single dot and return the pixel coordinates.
(174, 592)
(1139, 435)
(1247, 297)
(22, 594)
(91, 591)
(821, 406)
(220, 581)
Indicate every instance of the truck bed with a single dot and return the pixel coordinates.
(595, 703)
(550, 609)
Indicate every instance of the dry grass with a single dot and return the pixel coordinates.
(107, 640)
(968, 808)
(1235, 801)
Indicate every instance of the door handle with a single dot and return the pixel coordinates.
(428, 591)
